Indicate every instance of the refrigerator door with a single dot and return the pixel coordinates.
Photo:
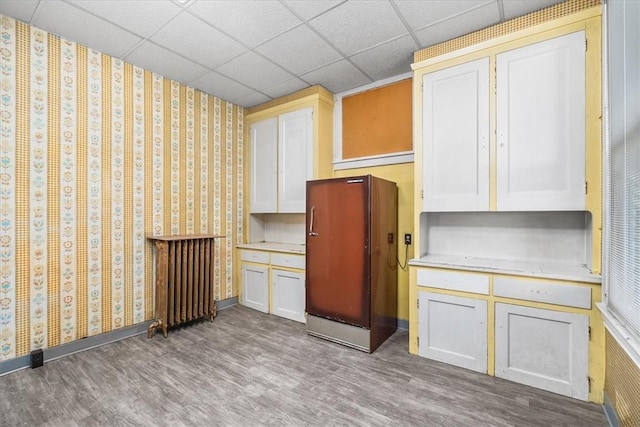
(337, 267)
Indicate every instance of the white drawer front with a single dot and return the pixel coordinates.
(464, 282)
(255, 256)
(549, 292)
(288, 260)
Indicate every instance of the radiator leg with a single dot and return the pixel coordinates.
(151, 330)
(213, 313)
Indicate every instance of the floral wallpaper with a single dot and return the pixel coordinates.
(95, 156)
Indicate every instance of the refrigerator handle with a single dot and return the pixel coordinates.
(311, 232)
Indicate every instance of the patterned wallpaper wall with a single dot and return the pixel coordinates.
(95, 155)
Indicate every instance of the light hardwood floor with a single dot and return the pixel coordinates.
(248, 368)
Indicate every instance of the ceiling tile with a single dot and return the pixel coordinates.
(162, 61)
(387, 60)
(466, 23)
(198, 41)
(337, 77)
(79, 26)
(514, 8)
(310, 9)
(345, 25)
(256, 98)
(299, 50)
(19, 9)
(285, 88)
(250, 21)
(220, 86)
(141, 17)
(254, 71)
(420, 14)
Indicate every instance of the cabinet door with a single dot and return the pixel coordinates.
(453, 330)
(255, 287)
(543, 348)
(456, 138)
(264, 160)
(295, 148)
(541, 126)
(288, 294)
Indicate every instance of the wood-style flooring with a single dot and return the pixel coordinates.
(249, 369)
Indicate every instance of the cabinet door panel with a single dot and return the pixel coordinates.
(295, 138)
(456, 138)
(543, 348)
(288, 294)
(453, 330)
(264, 158)
(255, 287)
(541, 126)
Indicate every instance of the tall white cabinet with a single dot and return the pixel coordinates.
(289, 141)
(281, 162)
(507, 266)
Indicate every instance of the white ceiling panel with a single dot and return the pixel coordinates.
(198, 41)
(164, 62)
(284, 88)
(514, 8)
(248, 51)
(310, 9)
(76, 25)
(398, 57)
(141, 17)
(255, 98)
(337, 77)
(462, 24)
(356, 25)
(254, 71)
(220, 86)
(299, 50)
(19, 9)
(250, 21)
(420, 13)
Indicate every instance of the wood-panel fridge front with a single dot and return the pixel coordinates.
(350, 260)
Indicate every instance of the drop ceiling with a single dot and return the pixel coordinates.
(251, 51)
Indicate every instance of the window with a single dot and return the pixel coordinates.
(622, 171)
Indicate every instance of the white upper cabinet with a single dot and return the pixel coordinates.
(264, 161)
(541, 126)
(281, 162)
(456, 138)
(295, 144)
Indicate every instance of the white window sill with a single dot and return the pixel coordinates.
(625, 339)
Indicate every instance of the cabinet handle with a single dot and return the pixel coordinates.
(311, 232)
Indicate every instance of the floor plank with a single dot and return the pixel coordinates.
(248, 368)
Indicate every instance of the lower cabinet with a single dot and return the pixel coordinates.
(453, 330)
(543, 348)
(547, 349)
(288, 294)
(273, 282)
(255, 287)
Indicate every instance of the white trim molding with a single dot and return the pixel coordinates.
(629, 342)
(384, 159)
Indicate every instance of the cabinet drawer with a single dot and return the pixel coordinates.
(255, 256)
(464, 282)
(550, 292)
(288, 260)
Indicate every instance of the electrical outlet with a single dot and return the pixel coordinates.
(407, 239)
(390, 238)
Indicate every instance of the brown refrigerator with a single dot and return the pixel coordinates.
(351, 281)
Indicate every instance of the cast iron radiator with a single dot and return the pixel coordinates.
(184, 280)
